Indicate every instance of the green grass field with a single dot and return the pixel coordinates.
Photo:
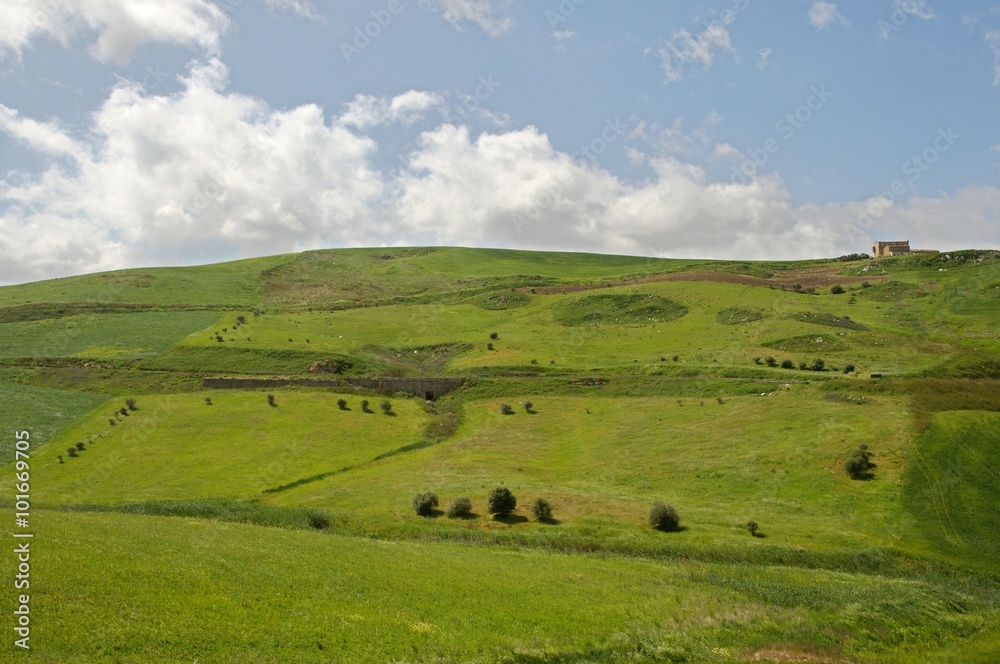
(210, 526)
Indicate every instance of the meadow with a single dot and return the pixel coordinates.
(278, 525)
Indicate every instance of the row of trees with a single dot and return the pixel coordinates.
(501, 503)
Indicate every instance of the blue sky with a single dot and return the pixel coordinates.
(137, 133)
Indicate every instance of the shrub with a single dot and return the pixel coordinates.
(506, 409)
(720, 400)
(541, 509)
(386, 406)
(342, 404)
(319, 521)
(270, 400)
(787, 364)
(123, 412)
(72, 452)
(460, 507)
(770, 361)
(837, 290)
(494, 336)
(534, 361)
(676, 358)
(80, 446)
(528, 406)
(817, 365)
(489, 346)
(364, 405)
(752, 528)
(664, 517)
(112, 421)
(501, 502)
(756, 360)
(858, 466)
(803, 366)
(425, 502)
(849, 368)
(130, 404)
(59, 456)
(208, 401)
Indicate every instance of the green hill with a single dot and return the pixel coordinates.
(273, 521)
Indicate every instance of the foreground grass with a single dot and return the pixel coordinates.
(182, 589)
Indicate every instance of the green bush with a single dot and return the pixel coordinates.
(489, 346)
(817, 365)
(528, 406)
(787, 364)
(859, 466)
(494, 336)
(460, 507)
(386, 406)
(770, 361)
(850, 368)
(664, 517)
(506, 409)
(72, 452)
(342, 404)
(130, 404)
(541, 509)
(270, 400)
(501, 502)
(837, 290)
(425, 502)
(364, 405)
(752, 528)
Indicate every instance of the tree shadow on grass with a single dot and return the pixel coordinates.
(510, 519)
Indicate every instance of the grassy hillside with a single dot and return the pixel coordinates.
(210, 525)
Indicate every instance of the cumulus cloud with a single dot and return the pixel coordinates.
(685, 48)
(119, 26)
(823, 14)
(201, 171)
(369, 111)
(207, 174)
(489, 15)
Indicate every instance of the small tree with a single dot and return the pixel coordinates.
(460, 507)
(664, 517)
(59, 456)
(501, 502)
(506, 409)
(859, 466)
(817, 365)
(112, 421)
(541, 509)
(72, 452)
(81, 446)
(494, 336)
(787, 364)
(270, 400)
(849, 368)
(364, 405)
(489, 346)
(752, 528)
(425, 502)
(528, 406)
(837, 290)
(130, 404)
(771, 362)
(208, 401)
(342, 404)
(386, 407)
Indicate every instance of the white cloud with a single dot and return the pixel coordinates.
(303, 8)
(563, 38)
(822, 14)
(121, 26)
(207, 174)
(684, 48)
(918, 8)
(369, 111)
(725, 151)
(993, 42)
(45, 137)
(194, 172)
(489, 15)
(714, 118)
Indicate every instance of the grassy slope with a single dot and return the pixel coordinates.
(173, 589)
(178, 447)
